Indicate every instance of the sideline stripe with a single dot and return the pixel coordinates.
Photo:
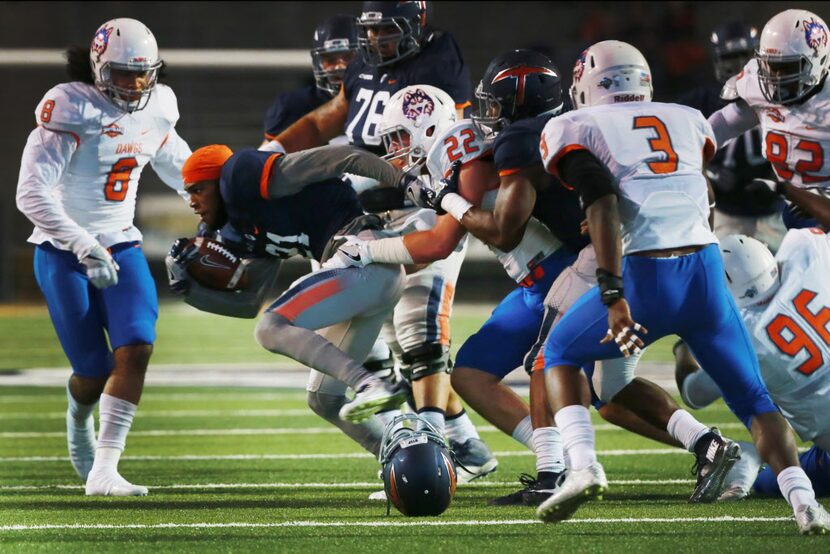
(443, 523)
(355, 485)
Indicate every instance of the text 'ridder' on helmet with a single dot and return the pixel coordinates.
(413, 118)
(792, 56)
(610, 72)
(751, 269)
(388, 32)
(417, 467)
(334, 48)
(127, 46)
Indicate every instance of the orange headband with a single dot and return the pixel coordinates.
(205, 164)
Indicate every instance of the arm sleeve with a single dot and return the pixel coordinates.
(45, 158)
(292, 172)
(246, 304)
(732, 121)
(169, 160)
(587, 174)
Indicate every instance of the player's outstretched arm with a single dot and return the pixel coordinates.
(732, 121)
(168, 162)
(317, 127)
(816, 205)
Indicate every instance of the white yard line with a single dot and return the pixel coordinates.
(354, 485)
(387, 523)
(151, 396)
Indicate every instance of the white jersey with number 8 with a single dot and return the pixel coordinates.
(656, 153)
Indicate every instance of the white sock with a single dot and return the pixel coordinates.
(387, 416)
(115, 419)
(796, 487)
(574, 424)
(435, 417)
(460, 428)
(684, 427)
(77, 411)
(523, 433)
(550, 454)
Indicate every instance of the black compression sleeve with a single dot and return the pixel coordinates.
(587, 175)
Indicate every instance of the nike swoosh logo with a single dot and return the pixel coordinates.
(205, 260)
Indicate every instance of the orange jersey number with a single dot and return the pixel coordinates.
(46, 111)
(660, 144)
(800, 340)
(118, 179)
(453, 151)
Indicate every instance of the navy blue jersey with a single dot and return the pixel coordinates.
(290, 106)
(300, 224)
(735, 165)
(517, 147)
(368, 89)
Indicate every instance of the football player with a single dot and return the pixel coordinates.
(618, 143)
(78, 183)
(269, 206)
(739, 209)
(782, 90)
(784, 303)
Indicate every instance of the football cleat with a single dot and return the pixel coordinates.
(474, 459)
(577, 488)
(110, 483)
(812, 520)
(535, 491)
(715, 457)
(80, 440)
(739, 480)
(370, 398)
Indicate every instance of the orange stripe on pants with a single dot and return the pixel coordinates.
(314, 295)
(444, 314)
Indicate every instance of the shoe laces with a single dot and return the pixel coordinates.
(528, 481)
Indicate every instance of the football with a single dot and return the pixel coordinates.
(216, 267)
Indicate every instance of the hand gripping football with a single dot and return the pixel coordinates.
(216, 267)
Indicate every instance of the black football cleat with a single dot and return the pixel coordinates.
(715, 457)
(535, 491)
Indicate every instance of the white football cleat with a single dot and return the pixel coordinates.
(80, 440)
(110, 483)
(373, 396)
(474, 460)
(378, 495)
(577, 488)
(738, 482)
(813, 520)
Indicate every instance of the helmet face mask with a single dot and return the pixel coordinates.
(400, 151)
(335, 47)
(388, 32)
(785, 79)
(125, 63)
(488, 120)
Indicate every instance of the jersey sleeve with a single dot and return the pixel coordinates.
(461, 142)
(801, 246)
(168, 104)
(516, 148)
(561, 135)
(61, 111)
(169, 159)
(447, 71)
(710, 143)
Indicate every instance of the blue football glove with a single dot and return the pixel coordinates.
(180, 255)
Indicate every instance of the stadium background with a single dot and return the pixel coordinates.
(244, 53)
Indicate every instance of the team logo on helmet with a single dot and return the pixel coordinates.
(579, 68)
(815, 34)
(416, 104)
(606, 83)
(101, 40)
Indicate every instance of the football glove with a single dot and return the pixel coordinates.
(763, 192)
(101, 269)
(177, 260)
(353, 252)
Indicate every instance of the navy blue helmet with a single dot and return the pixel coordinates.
(391, 31)
(417, 467)
(517, 85)
(733, 45)
(335, 46)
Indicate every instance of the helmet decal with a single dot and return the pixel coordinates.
(815, 34)
(520, 73)
(579, 68)
(416, 104)
(101, 40)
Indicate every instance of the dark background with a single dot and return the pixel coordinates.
(227, 105)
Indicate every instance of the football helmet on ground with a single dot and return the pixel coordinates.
(128, 48)
(793, 56)
(610, 72)
(516, 85)
(751, 269)
(417, 467)
(388, 32)
(335, 46)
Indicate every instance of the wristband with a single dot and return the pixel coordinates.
(455, 205)
(610, 286)
(390, 250)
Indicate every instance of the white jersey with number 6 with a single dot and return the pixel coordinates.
(656, 153)
(791, 333)
(81, 166)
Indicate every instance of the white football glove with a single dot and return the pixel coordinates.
(354, 252)
(176, 261)
(101, 269)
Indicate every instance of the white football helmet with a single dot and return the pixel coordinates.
(127, 45)
(421, 112)
(792, 56)
(751, 269)
(610, 72)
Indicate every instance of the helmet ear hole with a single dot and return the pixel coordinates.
(430, 131)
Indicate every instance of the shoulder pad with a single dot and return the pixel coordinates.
(729, 92)
(167, 106)
(62, 107)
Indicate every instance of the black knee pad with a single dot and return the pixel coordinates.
(425, 360)
(382, 369)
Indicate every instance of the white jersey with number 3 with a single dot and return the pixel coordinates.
(462, 142)
(81, 165)
(791, 333)
(656, 153)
